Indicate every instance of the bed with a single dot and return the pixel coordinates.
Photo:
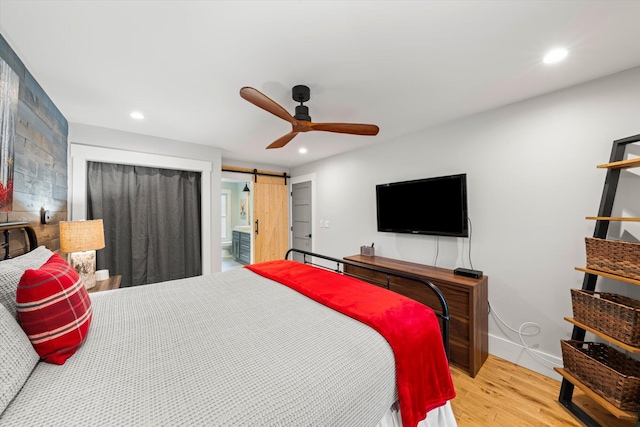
(232, 348)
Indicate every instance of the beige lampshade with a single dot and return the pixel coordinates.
(80, 236)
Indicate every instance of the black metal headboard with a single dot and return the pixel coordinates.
(443, 314)
(28, 230)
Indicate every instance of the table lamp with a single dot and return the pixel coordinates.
(81, 239)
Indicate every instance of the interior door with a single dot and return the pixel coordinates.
(270, 218)
(301, 217)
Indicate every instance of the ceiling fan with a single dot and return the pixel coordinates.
(301, 122)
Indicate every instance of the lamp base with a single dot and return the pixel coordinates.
(85, 264)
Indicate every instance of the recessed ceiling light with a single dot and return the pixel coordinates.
(137, 115)
(302, 150)
(555, 55)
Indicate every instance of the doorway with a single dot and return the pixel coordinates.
(148, 213)
(82, 154)
(301, 234)
(235, 222)
(268, 213)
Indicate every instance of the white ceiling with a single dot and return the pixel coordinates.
(403, 65)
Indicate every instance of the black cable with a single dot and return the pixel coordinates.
(470, 232)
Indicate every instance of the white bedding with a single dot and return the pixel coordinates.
(438, 417)
(233, 348)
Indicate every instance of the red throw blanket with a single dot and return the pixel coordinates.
(412, 329)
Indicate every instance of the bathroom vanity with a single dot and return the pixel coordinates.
(241, 246)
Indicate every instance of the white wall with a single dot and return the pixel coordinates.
(532, 179)
(126, 147)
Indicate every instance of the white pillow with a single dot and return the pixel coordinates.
(11, 271)
(18, 358)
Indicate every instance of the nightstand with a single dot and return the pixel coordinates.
(112, 282)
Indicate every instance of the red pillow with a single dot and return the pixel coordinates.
(54, 309)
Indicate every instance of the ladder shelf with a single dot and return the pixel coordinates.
(616, 164)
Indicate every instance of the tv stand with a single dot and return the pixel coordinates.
(468, 300)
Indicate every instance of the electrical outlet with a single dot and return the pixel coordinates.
(326, 223)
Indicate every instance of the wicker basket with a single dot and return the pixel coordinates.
(608, 372)
(614, 315)
(614, 256)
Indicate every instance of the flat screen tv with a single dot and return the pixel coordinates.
(435, 206)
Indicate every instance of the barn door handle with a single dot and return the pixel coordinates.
(256, 226)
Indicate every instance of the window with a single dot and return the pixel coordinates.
(225, 214)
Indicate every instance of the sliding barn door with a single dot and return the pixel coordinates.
(270, 218)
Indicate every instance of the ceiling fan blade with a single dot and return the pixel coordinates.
(261, 100)
(352, 128)
(283, 140)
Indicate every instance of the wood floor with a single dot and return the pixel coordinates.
(504, 394)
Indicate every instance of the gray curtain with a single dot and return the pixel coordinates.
(151, 221)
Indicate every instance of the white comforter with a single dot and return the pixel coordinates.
(231, 349)
(228, 349)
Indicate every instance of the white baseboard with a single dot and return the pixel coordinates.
(516, 353)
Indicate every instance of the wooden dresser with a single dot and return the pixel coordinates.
(468, 301)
